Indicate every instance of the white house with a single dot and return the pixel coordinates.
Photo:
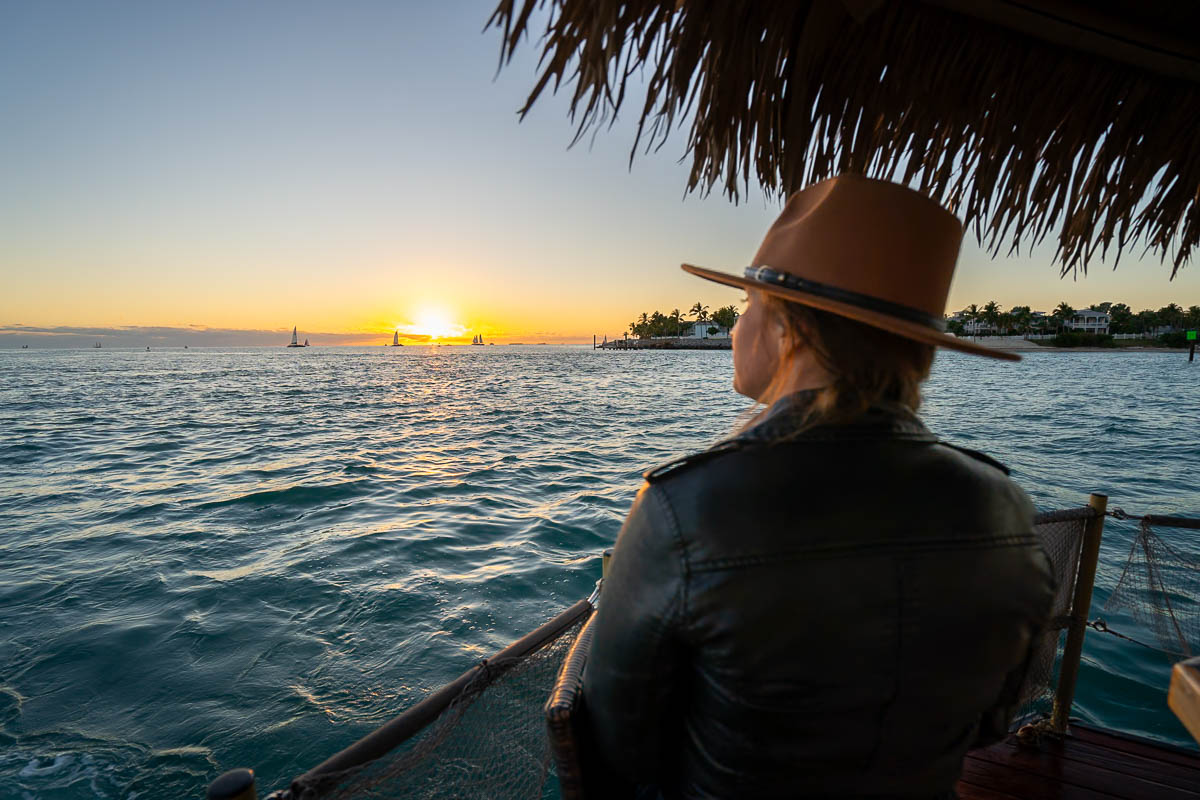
(1089, 321)
(699, 330)
(972, 327)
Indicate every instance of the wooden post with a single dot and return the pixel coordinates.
(237, 784)
(1089, 555)
(593, 341)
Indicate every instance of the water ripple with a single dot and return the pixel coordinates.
(213, 558)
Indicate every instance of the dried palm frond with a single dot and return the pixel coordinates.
(1017, 135)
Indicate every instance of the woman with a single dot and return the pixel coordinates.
(832, 603)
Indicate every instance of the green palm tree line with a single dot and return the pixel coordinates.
(1122, 318)
(654, 324)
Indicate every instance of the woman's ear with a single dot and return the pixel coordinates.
(790, 341)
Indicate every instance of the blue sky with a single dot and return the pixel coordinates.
(355, 167)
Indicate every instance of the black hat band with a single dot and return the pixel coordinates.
(865, 301)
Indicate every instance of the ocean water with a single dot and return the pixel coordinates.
(219, 558)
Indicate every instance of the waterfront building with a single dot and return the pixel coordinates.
(1089, 321)
(972, 326)
(699, 330)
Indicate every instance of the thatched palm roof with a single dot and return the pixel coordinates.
(1078, 117)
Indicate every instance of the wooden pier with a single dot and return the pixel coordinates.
(1085, 763)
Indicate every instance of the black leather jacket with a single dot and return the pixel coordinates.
(839, 615)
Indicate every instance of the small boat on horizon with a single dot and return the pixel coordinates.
(96, 346)
(296, 343)
(477, 339)
(396, 340)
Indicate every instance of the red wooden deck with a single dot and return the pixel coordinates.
(1088, 763)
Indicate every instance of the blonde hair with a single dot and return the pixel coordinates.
(867, 365)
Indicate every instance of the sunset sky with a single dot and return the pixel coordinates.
(354, 168)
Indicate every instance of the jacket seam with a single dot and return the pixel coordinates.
(664, 502)
(856, 549)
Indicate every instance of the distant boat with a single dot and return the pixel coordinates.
(296, 343)
(24, 347)
(477, 339)
(306, 342)
(96, 346)
(396, 340)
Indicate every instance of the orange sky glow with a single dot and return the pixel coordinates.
(361, 173)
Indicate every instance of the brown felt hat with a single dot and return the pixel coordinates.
(873, 251)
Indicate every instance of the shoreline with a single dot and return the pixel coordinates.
(1016, 345)
(675, 343)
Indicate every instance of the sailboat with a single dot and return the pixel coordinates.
(96, 346)
(296, 343)
(396, 340)
(477, 339)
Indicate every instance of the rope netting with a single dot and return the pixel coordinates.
(1158, 587)
(490, 742)
(1061, 534)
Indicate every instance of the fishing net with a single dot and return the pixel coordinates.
(1061, 534)
(1158, 587)
(490, 742)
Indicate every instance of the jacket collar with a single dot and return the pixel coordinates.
(883, 421)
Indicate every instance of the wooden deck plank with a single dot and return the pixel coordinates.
(984, 781)
(970, 791)
(1089, 764)
(1137, 745)
(1050, 766)
(1172, 774)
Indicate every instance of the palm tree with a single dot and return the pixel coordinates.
(1063, 313)
(677, 319)
(970, 314)
(725, 317)
(991, 314)
(700, 310)
(1120, 318)
(1022, 317)
(1171, 314)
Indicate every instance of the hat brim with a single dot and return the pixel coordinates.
(877, 319)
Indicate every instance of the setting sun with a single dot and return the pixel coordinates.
(436, 324)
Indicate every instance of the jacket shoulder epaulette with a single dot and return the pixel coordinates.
(677, 465)
(978, 456)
